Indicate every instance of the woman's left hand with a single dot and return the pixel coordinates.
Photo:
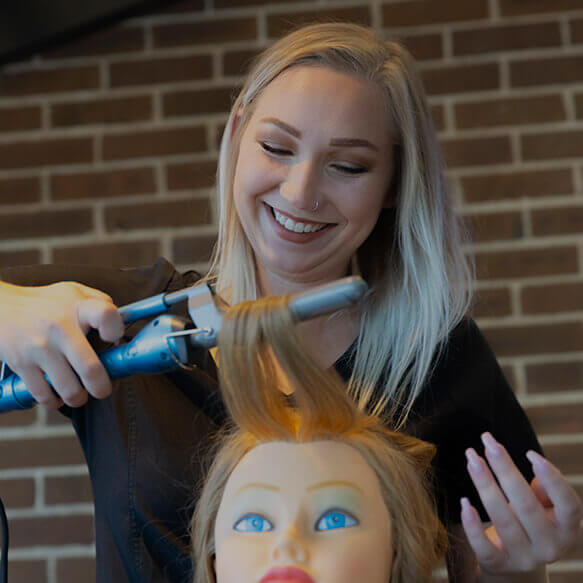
(531, 524)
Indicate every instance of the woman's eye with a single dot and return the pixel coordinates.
(271, 149)
(253, 523)
(335, 519)
(349, 169)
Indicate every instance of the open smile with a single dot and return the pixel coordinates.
(295, 225)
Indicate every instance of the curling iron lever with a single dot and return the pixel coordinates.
(162, 345)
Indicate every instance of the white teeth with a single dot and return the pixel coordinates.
(291, 225)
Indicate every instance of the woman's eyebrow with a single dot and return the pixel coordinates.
(338, 142)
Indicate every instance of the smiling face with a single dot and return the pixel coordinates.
(314, 135)
(303, 513)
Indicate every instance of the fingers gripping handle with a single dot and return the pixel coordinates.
(151, 351)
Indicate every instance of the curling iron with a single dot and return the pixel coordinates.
(162, 345)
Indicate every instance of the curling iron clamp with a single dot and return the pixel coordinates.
(162, 345)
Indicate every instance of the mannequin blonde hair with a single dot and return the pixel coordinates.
(419, 278)
(252, 336)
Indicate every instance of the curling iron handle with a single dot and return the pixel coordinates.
(151, 351)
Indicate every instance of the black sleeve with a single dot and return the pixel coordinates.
(466, 396)
(123, 285)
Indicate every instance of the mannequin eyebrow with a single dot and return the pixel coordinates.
(334, 484)
(338, 142)
(253, 485)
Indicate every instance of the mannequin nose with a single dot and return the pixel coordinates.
(299, 187)
(290, 548)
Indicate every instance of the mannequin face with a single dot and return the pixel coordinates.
(303, 513)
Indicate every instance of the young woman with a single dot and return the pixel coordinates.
(329, 165)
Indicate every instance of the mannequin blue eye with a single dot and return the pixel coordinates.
(253, 523)
(335, 519)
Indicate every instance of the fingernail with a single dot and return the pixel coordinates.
(491, 445)
(474, 461)
(539, 464)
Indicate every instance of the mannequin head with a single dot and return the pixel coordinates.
(301, 482)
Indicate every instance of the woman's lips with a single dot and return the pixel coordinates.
(286, 574)
(291, 236)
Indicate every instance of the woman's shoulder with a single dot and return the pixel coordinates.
(124, 285)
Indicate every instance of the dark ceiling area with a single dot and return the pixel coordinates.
(31, 26)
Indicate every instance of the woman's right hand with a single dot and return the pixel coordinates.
(43, 331)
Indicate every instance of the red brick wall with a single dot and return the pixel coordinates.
(107, 153)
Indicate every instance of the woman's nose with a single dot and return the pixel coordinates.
(300, 185)
(290, 548)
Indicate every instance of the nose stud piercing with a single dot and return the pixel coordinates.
(315, 206)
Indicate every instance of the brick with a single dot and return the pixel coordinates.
(557, 221)
(579, 105)
(577, 31)
(27, 571)
(516, 7)
(432, 11)
(506, 38)
(191, 175)
(17, 493)
(51, 81)
(238, 62)
(546, 71)
(202, 101)
(566, 456)
(46, 224)
(535, 338)
(103, 184)
(509, 375)
(68, 489)
(153, 143)
(517, 111)
(566, 576)
(51, 531)
(101, 111)
(193, 249)
(46, 152)
(153, 71)
(424, 46)
(514, 185)
(548, 299)
(567, 418)
(157, 215)
(14, 119)
(535, 262)
(282, 23)
(554, 377)
(19, 257)
(19, 190)
(221, 31)
(438, 115)
(44, 451)
(119, 39)
(118, 254)
(552, 145)
(492, 303)
(75, 570)
(477, 151)
(461, 78)
(496, 226)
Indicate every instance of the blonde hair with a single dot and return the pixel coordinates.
(419, 279)
(253, 334)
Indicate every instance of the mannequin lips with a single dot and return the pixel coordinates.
(286, 575)
(291, 235)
